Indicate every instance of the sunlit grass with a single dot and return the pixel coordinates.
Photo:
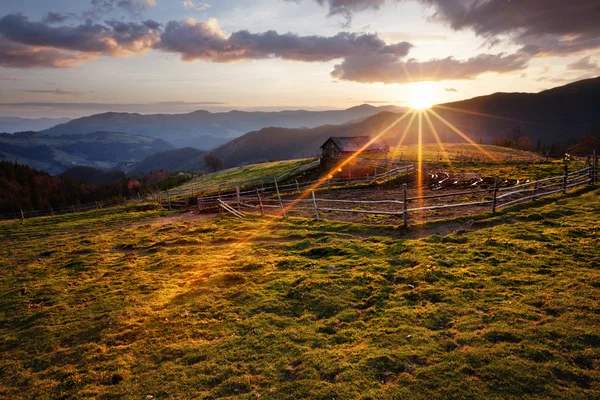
(503, 309)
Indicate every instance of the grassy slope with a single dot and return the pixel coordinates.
(433, 152)
(304, 309)
(229, 177)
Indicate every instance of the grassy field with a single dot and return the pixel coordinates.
(228, 178)
(152, 303)
(432, 152)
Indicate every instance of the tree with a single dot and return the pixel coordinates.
(212, 162)
(523, 143)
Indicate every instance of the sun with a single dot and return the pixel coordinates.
(421, 96)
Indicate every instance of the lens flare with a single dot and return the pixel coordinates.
(421, 96)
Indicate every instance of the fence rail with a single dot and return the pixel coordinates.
(510, 196)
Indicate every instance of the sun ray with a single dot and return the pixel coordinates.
(420, 158)
(405, 133)
(321, 181)
(437, 137)
(480, 114)
(462, 135)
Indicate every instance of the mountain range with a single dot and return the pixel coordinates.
(14, 124)
(205, 130)
(104, 150)
(557, 115)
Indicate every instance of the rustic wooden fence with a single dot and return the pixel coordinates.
(494, 198)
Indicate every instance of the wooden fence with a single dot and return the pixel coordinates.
(494, 198)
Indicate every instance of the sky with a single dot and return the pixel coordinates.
(69, 58)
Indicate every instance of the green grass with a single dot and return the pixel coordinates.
(229, 178)
(432, 152)
(504, 306)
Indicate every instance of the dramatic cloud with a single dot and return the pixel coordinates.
(584, 64)
(541, 27)
(206, 41)
(386, 69)
(15, 55)
(190, 5)
(114, 39)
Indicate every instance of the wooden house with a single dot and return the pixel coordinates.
(341, 147)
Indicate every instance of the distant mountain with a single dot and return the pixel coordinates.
(557, 115)
(186, 159)
(284, 143)
(205, 130)
(55, 154)
(13, 124)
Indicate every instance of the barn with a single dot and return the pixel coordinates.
(345, 146)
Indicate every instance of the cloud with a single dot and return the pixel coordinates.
(15, 55)
(348, 7)
(59, 92)
(55, 18)
(206, 41)
(388, 69)
(449, 89)
(133, 7)
(541, 27)
(115, 38)
(190, 5)
(584, 64)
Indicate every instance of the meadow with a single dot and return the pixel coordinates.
(146, 302)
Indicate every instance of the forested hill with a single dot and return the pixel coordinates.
(24, 188)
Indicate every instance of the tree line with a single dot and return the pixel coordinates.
(24, 188)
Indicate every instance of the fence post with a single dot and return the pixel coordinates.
(51, 212)
(279, 197)
(199, 201)
(73, 208)
(237, 196)
(495, 201)
(535, 184)
(565, 178)
(405, 204)
(297, 185)
(315, 205)
(594, 167)
(169, 200)
(328, 183)
(22, 217)
(260, 204)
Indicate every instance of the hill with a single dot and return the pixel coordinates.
(14, 124)
(283, 144)
(55, 154)
(93, 175)
(148, 303)
(24, 188)
(186, 159)
(205, 130)
(558, 114)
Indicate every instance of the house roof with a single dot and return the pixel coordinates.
(355, 143)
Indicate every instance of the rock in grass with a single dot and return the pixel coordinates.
(116, 379)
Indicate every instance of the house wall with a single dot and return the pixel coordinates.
(331, 150)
